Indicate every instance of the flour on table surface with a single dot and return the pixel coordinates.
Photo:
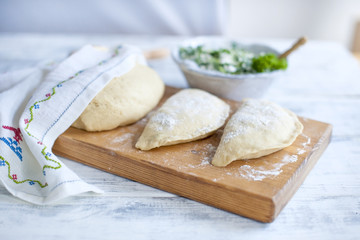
(308, 140)
(144, 120)
(257, 174)
(122, 138)
(267, 170)
(289, 159)
(270, 170)
(301, 151)
(205, 155)
(305, 145)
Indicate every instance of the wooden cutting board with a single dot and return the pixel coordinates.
(256, 189)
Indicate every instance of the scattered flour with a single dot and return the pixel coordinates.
(256, 174)
(304, 144)
(144, 120)
(206, 155)
(122, 138)
(251, 173)
(290, 159)
(301, 151)
(259, 173)
(308, 140)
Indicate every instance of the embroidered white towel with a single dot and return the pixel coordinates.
(36, 107)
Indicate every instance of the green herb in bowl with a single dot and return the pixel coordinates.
(231, 69)
(234, 60)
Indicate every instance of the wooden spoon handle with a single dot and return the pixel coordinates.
(156, 53)
(299, 42)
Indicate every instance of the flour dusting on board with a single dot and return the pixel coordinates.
(122, 138)
(261, 172)
(258, 173)
(301, 151)
(122, 142)
(209, 153)
(308, 140)
(248, 171)
(205, 155)
(202, 154)
(305, 145)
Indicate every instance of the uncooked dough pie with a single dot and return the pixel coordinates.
(188, 115)
(256, 129)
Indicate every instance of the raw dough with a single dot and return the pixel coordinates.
(188, 115)
(123, 101)
(258, 128)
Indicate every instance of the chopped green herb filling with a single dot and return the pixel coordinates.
(232, 61)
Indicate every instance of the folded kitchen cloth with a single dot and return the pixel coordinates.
(37, 106)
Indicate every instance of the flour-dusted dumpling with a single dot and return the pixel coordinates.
(256, 129)
(124, 100)
(188, 115)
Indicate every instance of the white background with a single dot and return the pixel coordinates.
(332, 20)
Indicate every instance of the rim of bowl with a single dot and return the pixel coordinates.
(191, 66)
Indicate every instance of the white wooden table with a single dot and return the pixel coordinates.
(322, 83)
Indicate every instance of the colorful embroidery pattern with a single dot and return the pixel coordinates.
(14, 178)
(15, 145)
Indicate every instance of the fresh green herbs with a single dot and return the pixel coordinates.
(234, 60)
(268, 62)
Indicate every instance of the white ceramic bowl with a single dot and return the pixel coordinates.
(228, 86)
